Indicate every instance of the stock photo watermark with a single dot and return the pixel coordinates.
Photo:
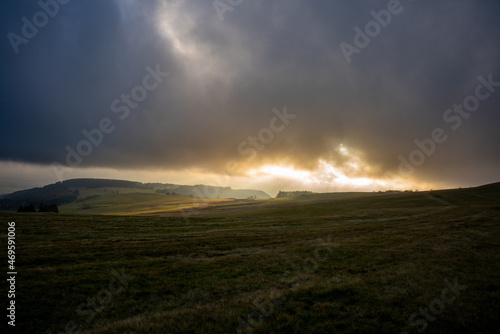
(122, 107)
(436, 307)
(373, 28)
(266, 307)
(249, 147)
(453, 117)
(11, 273)
(223, 6)
(99, 301)
(31, 27)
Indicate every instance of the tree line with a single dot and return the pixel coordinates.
(41, 208)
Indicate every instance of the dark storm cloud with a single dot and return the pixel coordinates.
(226, 77)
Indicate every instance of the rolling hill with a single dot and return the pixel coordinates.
(80, 190)
(317, 263)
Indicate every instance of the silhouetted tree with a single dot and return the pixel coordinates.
(48, 208)
(27, 208)
(52, 208)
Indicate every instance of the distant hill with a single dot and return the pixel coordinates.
(285, 194)
(102, 183)
(56, 193)
(203, 191)
(104, 196)
(69, 190)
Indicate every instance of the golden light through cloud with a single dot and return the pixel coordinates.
(283, 171)
(343, 169)
(350, 125)
(352, 174)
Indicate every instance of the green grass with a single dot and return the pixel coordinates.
(351, 263)
(131, 203)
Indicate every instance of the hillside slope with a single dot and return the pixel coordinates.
(362, 204)
(76, 189)
(322, 263)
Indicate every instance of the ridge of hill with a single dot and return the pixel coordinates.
(119, 197)
(131, 202)
(69, 191)
(331, 260)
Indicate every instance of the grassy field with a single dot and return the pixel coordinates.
(327, 263)
(131, 204)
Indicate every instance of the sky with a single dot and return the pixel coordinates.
(272, 95)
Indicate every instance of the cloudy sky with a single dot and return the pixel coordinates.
(285, 94)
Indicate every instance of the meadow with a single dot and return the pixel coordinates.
(322, 263)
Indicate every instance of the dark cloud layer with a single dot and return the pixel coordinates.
(227, 76)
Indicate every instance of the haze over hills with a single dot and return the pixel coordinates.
(250, 167)
(209, 265)
(77, 189)
(120, 197)
(316, 104)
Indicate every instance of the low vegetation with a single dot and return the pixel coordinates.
(325, 263)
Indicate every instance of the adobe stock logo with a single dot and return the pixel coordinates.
(454, 118)
(251, 146)
(30, 28)
(122, 107)
(373, 28)
(436, 307)
(221, 7)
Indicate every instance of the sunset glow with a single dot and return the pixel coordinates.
(250, 166)
(174, 90)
